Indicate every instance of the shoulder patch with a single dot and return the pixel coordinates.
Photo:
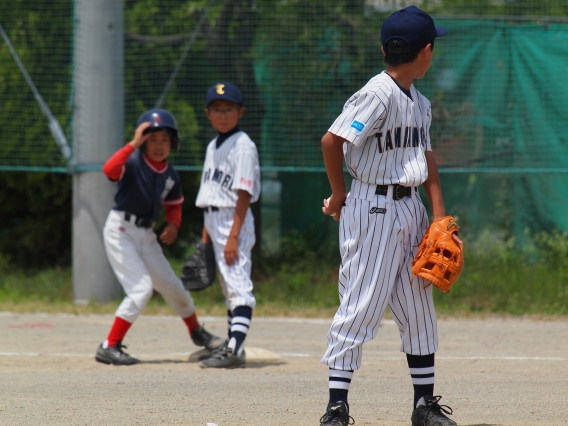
(358, 126)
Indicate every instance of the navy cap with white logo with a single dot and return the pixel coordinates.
(224, 92)
(412, 25)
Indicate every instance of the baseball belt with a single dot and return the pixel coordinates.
(140, 222)
(398, 191)
(210, 209)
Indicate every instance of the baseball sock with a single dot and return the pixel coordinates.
(117, 332)
(191, 323)
(240, 324)
(422, 374)
(229, 322)
(339, 381)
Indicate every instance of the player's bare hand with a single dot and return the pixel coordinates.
(169, 234)
(457, 239)
(139, 137)
(231, 252)
(332, 206)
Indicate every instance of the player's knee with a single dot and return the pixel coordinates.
(144, 298)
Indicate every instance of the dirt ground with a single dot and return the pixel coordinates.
(506, 372)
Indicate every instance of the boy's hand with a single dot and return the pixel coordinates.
(332, 206)
(231, 252)
(139, 138)
(169, 234)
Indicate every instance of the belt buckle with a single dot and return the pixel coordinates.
(399, 195)
(142, 223)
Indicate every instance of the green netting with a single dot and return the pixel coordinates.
(495, 86)
(41, 33)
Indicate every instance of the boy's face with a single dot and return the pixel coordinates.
(158, 145)
(224, 115)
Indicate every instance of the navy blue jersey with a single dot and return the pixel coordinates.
(143, 189)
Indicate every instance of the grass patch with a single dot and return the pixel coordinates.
(500, 277)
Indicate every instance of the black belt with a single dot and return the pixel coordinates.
(140, 222)
(398, 191)
(211, 208)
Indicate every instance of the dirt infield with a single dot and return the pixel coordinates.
(506, 372)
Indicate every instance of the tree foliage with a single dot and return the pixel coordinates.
(319, 46)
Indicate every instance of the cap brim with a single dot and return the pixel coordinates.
(440, 32)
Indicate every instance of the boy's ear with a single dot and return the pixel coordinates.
(241, 112)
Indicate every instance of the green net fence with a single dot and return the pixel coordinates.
(495, 85)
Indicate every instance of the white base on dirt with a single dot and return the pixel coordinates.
(252, 355)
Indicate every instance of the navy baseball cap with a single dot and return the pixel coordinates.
(224, 92)
(412, 25)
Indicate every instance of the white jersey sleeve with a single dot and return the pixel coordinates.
(247, 171)
(428, 121)
(360, 117)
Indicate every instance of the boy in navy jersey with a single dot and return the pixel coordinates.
(146, 183)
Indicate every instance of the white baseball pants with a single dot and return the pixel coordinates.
(377, 248)
(235, 279)
(140, 266)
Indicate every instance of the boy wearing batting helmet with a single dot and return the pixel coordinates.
(383, 135)
(229, 184)
(146, 184)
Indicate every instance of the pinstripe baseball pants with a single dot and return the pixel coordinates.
(235, 279)
(377, 240)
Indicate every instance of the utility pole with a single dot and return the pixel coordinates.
(98, 131)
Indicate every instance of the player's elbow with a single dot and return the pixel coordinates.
(330, 140)
(326, 139)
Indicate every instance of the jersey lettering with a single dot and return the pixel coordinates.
(388, 141)
(418, 139)
(406, 137)
(415, 137)
(226, 181)
(397, 132)
(217, 175)
(168, 185)
(379, 137)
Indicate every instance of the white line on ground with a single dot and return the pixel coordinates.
(317, 321)
(293, 354)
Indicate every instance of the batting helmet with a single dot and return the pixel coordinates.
(160, 119)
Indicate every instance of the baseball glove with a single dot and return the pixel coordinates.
(198, 270)
(439, 258)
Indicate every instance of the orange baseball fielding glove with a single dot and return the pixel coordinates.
(440, 257)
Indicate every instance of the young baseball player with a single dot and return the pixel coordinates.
(229, 184)
(383, 134)
(146, 183)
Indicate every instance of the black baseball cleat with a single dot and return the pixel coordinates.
(337, 414)
(432, 414)
(202, 337)
(223, 358)
(115, 355)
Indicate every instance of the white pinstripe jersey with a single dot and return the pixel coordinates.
(387, 133)
(227, 169)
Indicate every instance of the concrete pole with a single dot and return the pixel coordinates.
(98, 131)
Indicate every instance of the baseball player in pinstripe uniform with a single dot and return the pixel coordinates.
(383, 134)
(229, 184)
(146, 184)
